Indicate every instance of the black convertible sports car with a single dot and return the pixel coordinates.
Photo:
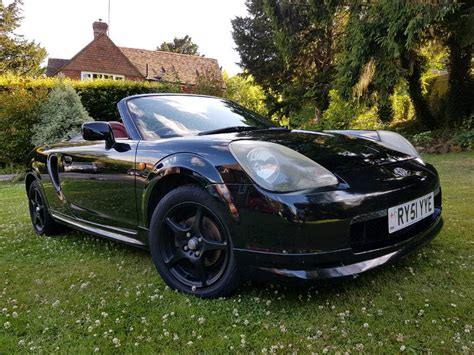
(214, 190)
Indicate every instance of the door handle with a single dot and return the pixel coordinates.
(67, 160)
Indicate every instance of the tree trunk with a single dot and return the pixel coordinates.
(317, 115)
(423, 114)
(384, 104)
(460, 91)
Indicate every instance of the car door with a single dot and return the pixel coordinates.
(99, 183)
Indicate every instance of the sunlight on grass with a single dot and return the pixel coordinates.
(78, 293)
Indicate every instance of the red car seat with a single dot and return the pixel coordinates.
(119, 130)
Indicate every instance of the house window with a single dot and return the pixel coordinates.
(85, 75)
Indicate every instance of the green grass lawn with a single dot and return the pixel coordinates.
(78, 293)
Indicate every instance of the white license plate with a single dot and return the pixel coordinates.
(408, 213)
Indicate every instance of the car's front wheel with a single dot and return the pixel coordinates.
(191, 245)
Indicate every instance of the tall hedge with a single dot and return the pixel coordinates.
(19, 110)
(21, 100)
(99, 97)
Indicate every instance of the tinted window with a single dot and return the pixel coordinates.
(171, 116)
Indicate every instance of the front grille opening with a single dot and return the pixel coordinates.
(373, 233)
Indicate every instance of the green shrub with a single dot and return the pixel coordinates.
(59, 117)
(367, 119)
(422, 139)
(444, 140)
(464, 139)
(304, 118)
(340, 112)
(19, 108)
(403, 110)
(246, 92)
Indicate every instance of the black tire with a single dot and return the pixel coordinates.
(43, 223)
(190, 244)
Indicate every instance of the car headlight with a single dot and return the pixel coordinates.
(278, 168)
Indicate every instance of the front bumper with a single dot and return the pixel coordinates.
(340, 263)
(326, 234)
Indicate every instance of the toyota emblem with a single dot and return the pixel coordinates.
(401, 172)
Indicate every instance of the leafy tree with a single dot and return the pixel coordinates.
(306, 34)
(243, 90)
(259, 56)
(61, 116)
(368, 50)
(382, 48)
(289, 49)
(183, 45)
(17, 55)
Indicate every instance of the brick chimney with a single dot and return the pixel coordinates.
(99, 28)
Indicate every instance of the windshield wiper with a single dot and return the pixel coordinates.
(229, 130)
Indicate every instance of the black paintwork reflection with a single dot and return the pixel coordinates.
(97, 183)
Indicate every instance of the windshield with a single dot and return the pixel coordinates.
(180, 115)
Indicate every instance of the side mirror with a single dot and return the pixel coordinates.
(99, 131)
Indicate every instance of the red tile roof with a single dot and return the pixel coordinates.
(54, 65)
(102, 56)
(172, 67)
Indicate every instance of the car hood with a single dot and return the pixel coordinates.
(334, 151)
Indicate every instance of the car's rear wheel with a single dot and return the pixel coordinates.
(191, 245)
(42, 221)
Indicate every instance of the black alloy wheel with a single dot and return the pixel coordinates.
(39, 213)
(191, 245)
(37, 209)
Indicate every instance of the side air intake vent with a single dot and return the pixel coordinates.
(53, 172)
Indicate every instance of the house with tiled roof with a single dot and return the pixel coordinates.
(101, 58)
